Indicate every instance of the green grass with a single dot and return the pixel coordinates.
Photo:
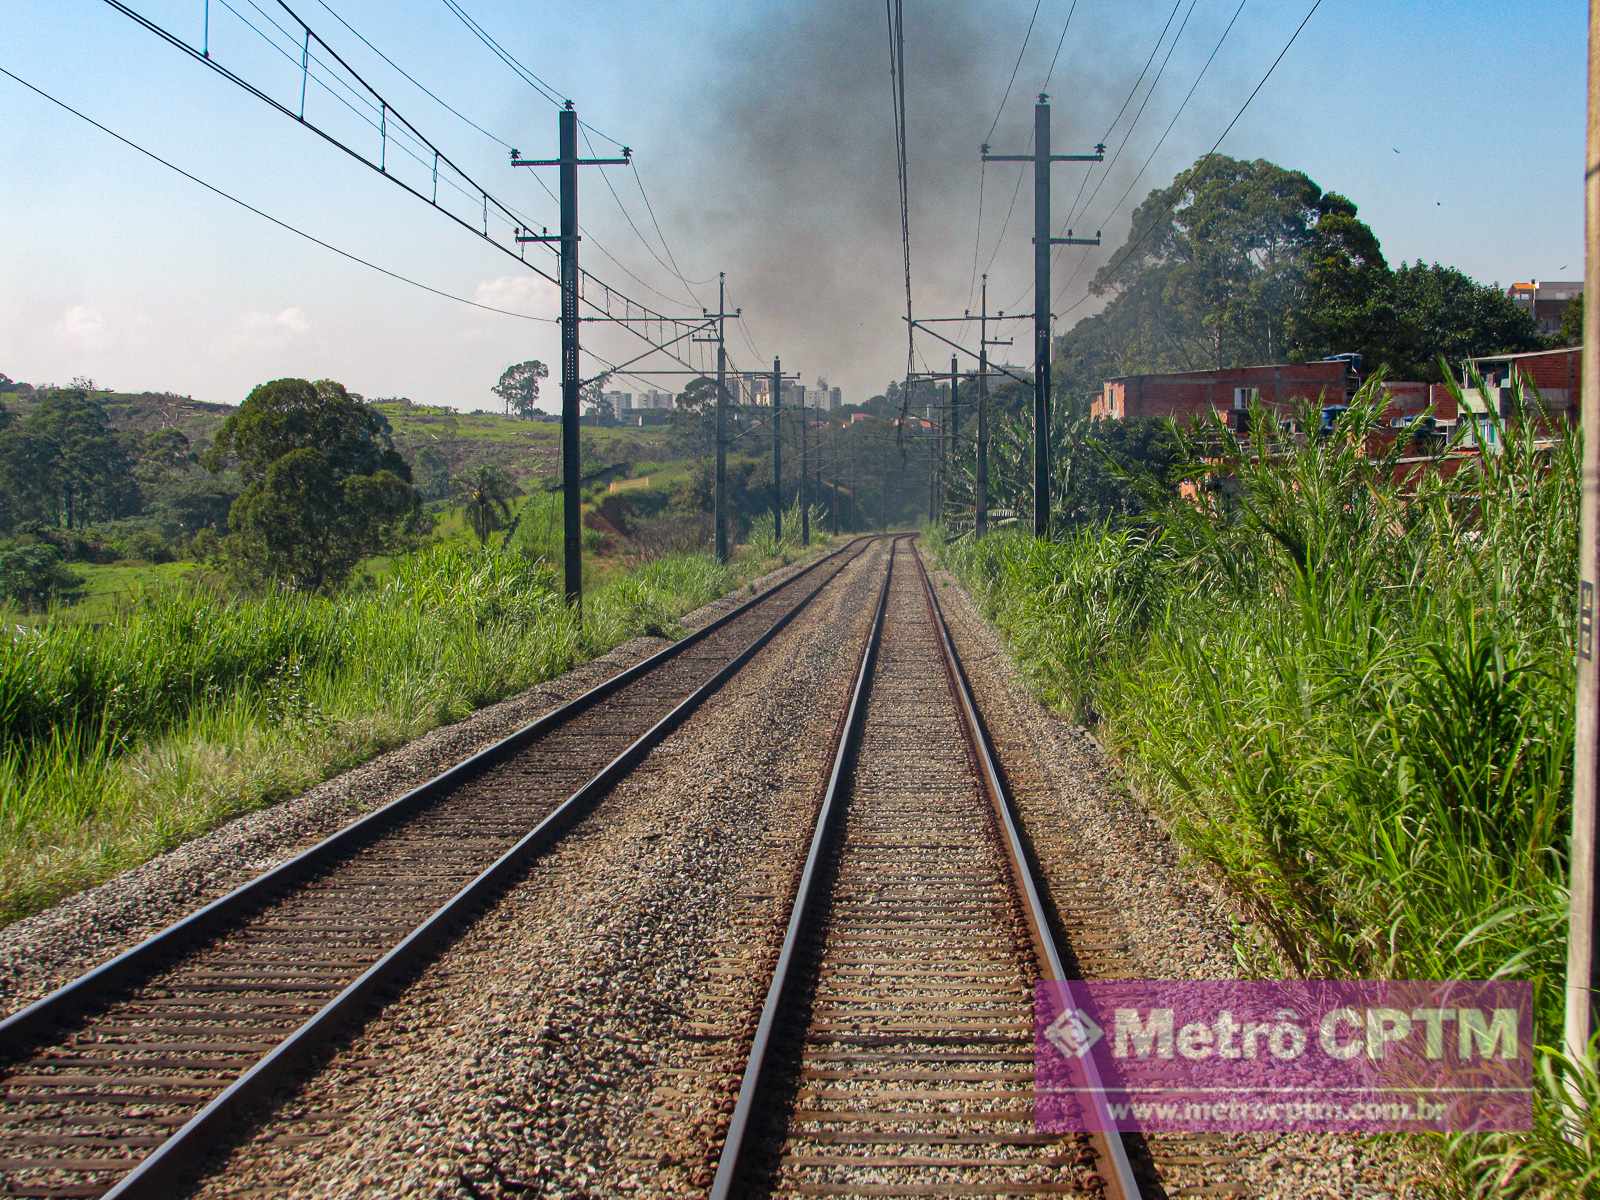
(1355, 706)
(120, 741)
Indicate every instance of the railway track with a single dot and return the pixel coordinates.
(119, 1083)
(894, 1053)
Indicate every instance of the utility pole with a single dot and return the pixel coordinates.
(805, 514)
(981, 500)
(1042, 241)
(719, 503)
(952, 453)
(1583, 965)
(777, 450)
(571, 472)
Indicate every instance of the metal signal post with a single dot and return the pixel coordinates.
(719, 504)
(1041, 158)
(777, 450)
(571, 473)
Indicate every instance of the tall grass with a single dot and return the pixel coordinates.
(120, 741)
(1351, 696)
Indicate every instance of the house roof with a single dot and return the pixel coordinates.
(1525, 354)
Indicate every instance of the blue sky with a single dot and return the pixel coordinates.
(763, 135)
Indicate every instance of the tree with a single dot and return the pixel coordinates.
(698, 397)
(1440, 310)
(1346, 298)
(324, 486)
(519, 387)
(1211, 258)
(76, 460)
(33, 575)
(486, 495)
(431, 474)
(1572, 332)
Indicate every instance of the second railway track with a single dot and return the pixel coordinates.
(894, 1054)
(118, 1084)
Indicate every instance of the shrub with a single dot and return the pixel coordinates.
(32, 576)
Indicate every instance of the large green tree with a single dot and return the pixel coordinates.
(68, 463)
(1440, 310)
(518, 387)
(1241, 263)
(324, 486)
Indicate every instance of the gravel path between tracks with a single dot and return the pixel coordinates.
(48, 949)
(585, 1037)
(1133, 907)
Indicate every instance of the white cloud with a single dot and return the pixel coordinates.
(518, 293)
(292, 319)
(270, 330)
(82, 326)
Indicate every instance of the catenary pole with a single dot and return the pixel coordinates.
(571, 380)
(1583, 968)
(980, 495)
(805, 516)
(777, 450)
(1042, 241)
(719, 504)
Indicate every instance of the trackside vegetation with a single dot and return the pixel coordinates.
(1348, 689)
(119, 741)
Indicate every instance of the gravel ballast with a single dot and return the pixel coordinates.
(53, 947)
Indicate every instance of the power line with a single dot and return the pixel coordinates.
(897, 82)
(423, 88)
(645, 313)
(527, 76)
(544, 89)
(1021, 50)
(266, 216)
(1227, 129)
(1143, 104)
(1105, 173)
(1060, 41)
(1078, 270)
(651, 209)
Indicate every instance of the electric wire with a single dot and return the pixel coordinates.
(1127, 134)
(1048, 75)
(266, 216)
(423, 88)
(1227, 129)
(1021, 50)
(544, 89)
(210, 61)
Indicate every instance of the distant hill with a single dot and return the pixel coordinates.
(525, 450)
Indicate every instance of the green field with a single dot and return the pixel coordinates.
(120, 740)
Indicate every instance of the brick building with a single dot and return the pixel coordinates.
(1187, 395)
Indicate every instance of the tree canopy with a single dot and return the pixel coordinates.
(324, 486)
(64, 464)
(1240, 263)
(519, 387)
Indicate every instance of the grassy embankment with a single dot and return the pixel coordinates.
(120, 741)
(1354, 705)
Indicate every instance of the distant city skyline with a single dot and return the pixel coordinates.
(120, 270)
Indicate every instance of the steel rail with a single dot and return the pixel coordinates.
(733, 1145)
(159, 1172)
(1121, 1182)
